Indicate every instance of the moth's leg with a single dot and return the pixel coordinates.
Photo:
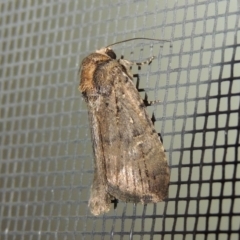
(145, 100)
(127, 64)
(149, 103)
(148, 61)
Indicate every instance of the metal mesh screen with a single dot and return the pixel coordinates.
(46, 154)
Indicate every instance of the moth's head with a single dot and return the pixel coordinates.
(108, 52)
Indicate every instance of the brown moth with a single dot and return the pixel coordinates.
(130, 163)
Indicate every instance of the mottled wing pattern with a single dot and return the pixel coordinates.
(130, 163)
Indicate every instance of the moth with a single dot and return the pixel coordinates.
(129, 159)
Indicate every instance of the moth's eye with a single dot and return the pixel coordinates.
(111, 53)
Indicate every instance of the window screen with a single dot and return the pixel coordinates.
(46, 157)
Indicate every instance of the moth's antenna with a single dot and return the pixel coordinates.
(137, 38)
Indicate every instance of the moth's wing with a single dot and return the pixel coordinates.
(100, 199)
(133, 162)
(102, 128)
(143, 174)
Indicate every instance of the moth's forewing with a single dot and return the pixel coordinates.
(130, 163)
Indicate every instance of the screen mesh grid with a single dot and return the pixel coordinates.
(46, 158)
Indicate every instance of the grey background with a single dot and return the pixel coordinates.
(46, 157)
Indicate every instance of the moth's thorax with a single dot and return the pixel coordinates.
(88, 67)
